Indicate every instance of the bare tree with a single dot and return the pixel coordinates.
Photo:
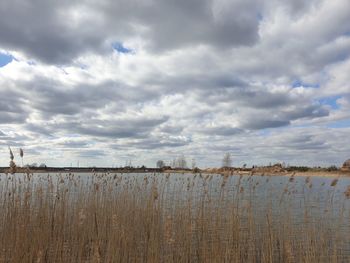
(33, 165)
(227, 160)
(160, 164)
(193, 163)
(128, 164)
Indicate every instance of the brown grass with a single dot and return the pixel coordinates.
(110, 218)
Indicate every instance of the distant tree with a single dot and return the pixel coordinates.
(181, 162)
(34, 165)
(193, 163)
(42, 165)
(227, 160)
(128, 164)
(244, 165)
(160, 164)
(332, 168)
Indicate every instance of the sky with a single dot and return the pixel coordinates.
(106, 82)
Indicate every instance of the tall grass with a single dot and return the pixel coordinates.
(163, 218)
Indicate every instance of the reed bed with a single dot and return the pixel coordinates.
(170, 218)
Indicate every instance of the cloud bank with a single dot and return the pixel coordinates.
(105, 82)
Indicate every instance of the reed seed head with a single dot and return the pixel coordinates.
(11, 154)
(347, 192)
(334, 182)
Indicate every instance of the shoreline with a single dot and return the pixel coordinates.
(330, 174)
(323, 174)
(283, 173)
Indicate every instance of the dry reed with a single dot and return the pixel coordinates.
(115, 218)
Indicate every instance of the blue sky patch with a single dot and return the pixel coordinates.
(299, 83)
(31, 63)
(119, 47)
(340, 124)
(5, 59)
(331, 101)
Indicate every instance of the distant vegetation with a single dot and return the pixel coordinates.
(298, 168)
(176, 164)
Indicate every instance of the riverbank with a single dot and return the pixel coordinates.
(227, 172)
(323, 174)
(81, 170)
(268, 173)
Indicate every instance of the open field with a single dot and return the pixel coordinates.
(173, 218)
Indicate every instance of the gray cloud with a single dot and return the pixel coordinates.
(159, 143)
(57, 40)
(73, 144)
(39, 129)
(11, 107)
(220, 130)
(168, 24)
(119, 128)
(204, 76)
(12, 143)
(202, 22)
(91, 153)
(171, 129)
(310, 111)
(50, 97)
(13, 139)
(10, 117)
(248, 96)
(114, 128)
(263, 123)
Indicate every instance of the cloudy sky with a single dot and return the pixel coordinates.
(103, 82)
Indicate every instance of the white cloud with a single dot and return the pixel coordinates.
(204, 77)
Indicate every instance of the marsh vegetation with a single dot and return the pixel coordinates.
(173, 218)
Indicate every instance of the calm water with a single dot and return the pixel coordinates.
(300, 200)
(262, 192)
